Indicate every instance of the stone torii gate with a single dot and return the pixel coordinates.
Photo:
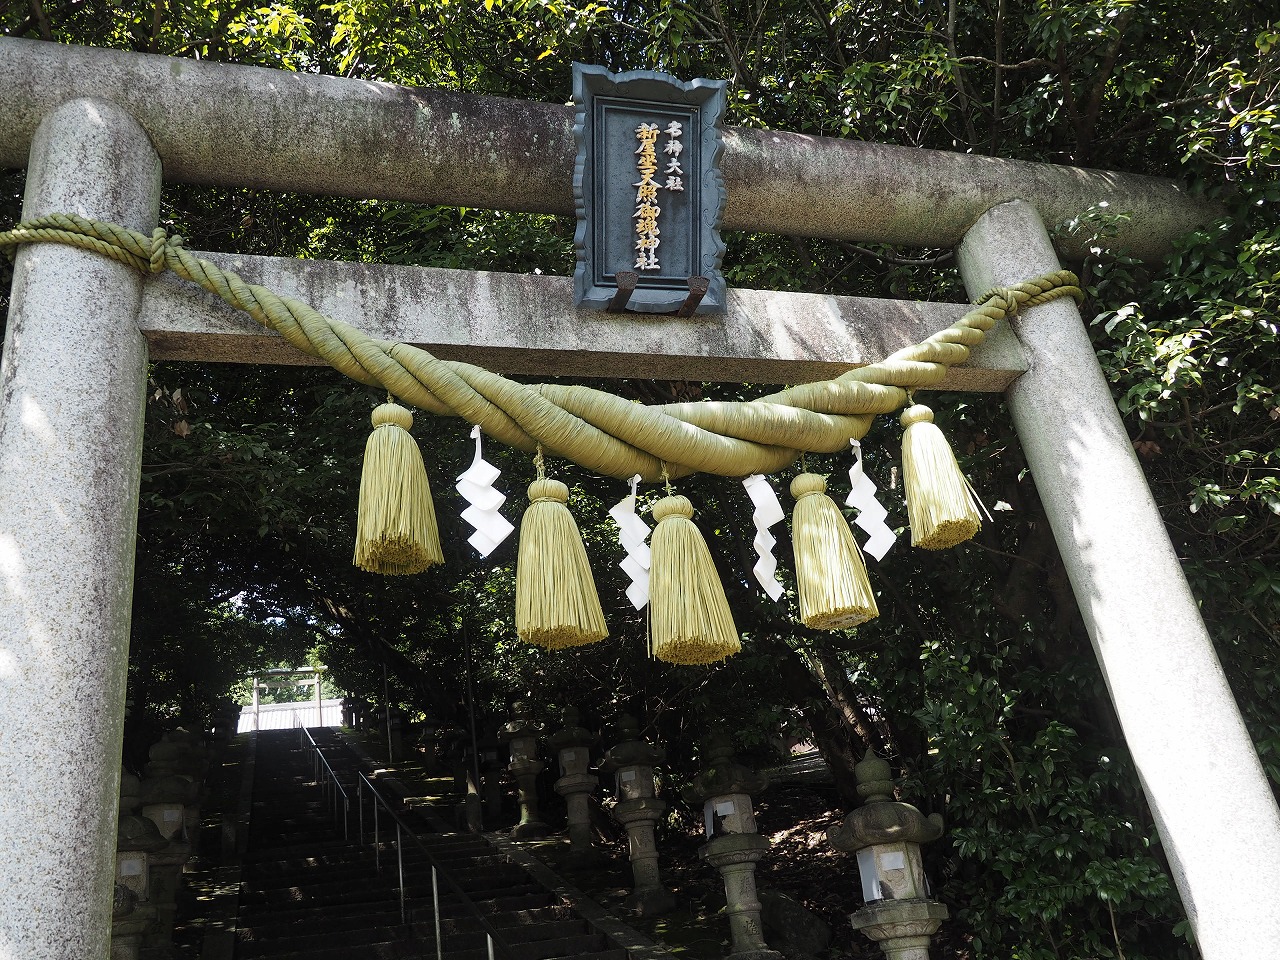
(97, 130)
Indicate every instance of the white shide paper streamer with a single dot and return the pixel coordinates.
(871, 515)
(632, 534)
(767, 512)
(476, 487)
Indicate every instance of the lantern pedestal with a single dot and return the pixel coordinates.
(492, 773)
(631, 764)
(522, 733)
(573, 747)
(649, 898)
(129, 928)
(526, 773)
(902, 928)
(137, 838)
(733, 846)
(735, 856)
(576, 789)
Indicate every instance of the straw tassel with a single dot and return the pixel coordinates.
(556, 601)
(689, 618)
(940, 506)
(396, 525)
(831, 578)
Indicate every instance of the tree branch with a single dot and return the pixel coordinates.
(1093, 108)
(1032, 64)
(157, 21)
(945, 257)
(42, 20)
(998, 82)
(957, 75)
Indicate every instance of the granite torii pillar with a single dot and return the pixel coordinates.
(1217, 816)
(72, 385)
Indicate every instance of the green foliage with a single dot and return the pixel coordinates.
(1042, 819)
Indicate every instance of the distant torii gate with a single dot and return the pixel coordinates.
(93, 128)
(280, 673)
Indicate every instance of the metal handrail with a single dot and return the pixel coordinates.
(330, 784)
(493, 939)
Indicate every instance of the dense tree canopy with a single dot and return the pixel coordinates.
(249, 475)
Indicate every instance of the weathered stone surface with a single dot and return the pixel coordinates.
(721, 773)
(522, 734)
(885, 823)
(638, 809)
(72, 382)
(247, 126)
(123, 902)
(735, 856)
(1216, 813)
(902, 928)
(135, 832)
(526, 324)
(572, 744)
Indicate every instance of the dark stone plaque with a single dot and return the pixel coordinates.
(649, 192)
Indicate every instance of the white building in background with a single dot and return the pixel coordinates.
(282, 716)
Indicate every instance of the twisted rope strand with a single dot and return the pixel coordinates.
(602, 432)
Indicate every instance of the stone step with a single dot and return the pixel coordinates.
(276, 929)
(294, 851)
(319, 879)
(379, 950)
(530, 941)
(307, 893)
(336, 894)
(526, 905)
(481, 953)
(311, 941)
(549, 929)
(580, 946)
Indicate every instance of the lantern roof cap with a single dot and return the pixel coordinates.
(721, 773)
(881, 819)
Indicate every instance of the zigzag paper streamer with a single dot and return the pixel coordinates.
(871, 515)
(632, 534)
(768, 512)
(476, 487)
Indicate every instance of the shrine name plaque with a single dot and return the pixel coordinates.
(649, 192)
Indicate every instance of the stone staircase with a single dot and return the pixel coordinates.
(309, 892)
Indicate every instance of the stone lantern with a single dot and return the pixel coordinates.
(226, 717)
(638, 808)
(492, 774)
(137, 839)
(168, 801)
(886, 836)
(573, 746)
(179, 754)
(430, 741)
(724, 788)
(522, 735)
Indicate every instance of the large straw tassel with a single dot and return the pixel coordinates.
(940, 505)
(556, 601)
(396, 525)
(689, 618)
(831, 577)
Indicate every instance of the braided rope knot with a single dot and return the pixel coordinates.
(1008, 296)
(161, 246)
(600, 431)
